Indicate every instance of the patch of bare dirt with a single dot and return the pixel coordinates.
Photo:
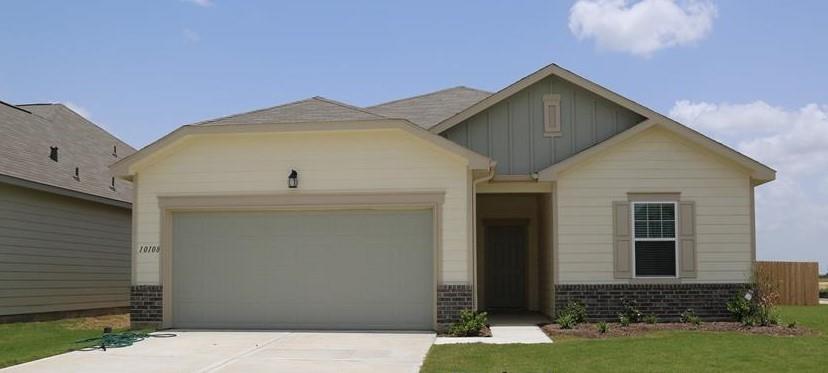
(99, 322)
(589, 330)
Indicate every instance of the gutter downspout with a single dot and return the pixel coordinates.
(482, 179)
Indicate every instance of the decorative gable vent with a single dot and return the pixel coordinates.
(551, 115)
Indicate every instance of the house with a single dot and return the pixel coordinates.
(65, 220)
(320, 214)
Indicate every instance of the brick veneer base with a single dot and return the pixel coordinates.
(145, 305)
(451, 299)
(667, 301)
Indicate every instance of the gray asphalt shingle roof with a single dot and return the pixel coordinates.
(424, 110)
(315, 109)
(431, 108)
(28, 134)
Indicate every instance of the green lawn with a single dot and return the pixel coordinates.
(686, 351)
(22, 342)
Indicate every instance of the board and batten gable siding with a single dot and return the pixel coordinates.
(512, 131)
(358, 161)
(654, 161)
(60, 253)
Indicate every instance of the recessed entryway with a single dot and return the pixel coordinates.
(514, 256)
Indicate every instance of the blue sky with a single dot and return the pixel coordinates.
(749, 73)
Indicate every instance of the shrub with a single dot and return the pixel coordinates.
(651, 319)
(566, 321)
(602, 327)
(792, 325)
(576, 309)
(689, 317)
(631, 310)
(742, 308)
(823, 293)
(470, 324)
(757, 306)
(623, 319)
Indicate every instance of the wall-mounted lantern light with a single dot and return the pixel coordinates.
(293, 179)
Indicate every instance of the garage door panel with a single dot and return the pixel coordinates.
(320, 269)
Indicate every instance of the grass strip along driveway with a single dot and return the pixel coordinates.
(665, 351)
(22, 342)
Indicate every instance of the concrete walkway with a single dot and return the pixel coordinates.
(506, 329)
(251, 351)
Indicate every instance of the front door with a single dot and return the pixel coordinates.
(506, 249)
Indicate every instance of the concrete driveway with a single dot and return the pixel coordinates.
(251, 351)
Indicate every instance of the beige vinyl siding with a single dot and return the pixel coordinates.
(327, 161)
(654, 161)
(59, 253)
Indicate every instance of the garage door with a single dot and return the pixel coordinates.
(303, 270)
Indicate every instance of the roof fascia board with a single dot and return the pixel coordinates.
(759, 173)
(551, 173)
(534, 78)
(11, 180)
(123, 168)
(492, 100)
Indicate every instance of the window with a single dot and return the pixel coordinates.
(654, 236)
(551, 115)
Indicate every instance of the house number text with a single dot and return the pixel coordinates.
(144, 249)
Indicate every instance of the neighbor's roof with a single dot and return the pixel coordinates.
(29, 131)
(431, 108)
(314, 109)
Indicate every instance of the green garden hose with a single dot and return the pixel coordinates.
(117, 340)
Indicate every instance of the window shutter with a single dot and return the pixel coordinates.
(622, 245)
(687, 238)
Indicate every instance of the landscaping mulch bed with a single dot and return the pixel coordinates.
(616, 330)
(485, 332)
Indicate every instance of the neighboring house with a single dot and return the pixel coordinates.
(550, 190)
(64, 219)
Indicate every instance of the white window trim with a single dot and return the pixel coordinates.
(674, 239)
(551, 125)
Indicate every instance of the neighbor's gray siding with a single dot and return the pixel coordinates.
(511, 132)
(59, 253)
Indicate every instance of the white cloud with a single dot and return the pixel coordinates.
(204, 3)
(191, 36)
(82, 111)
(642, 27)
(792, 212)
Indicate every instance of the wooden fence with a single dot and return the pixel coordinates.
(797, 282)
